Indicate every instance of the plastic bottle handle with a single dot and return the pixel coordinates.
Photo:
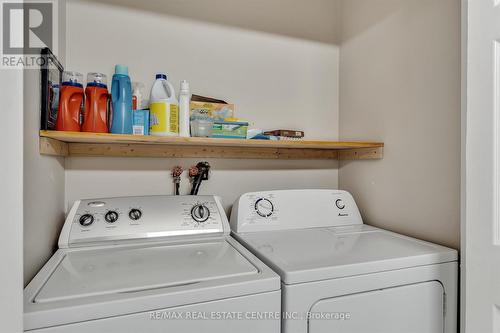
(81, 110)
(107, 96)
(170, 89)
(95, 108)
(110, 112)
(118, 90)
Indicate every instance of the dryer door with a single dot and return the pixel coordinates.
(416, 308)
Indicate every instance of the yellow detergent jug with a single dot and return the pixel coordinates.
(163, 108)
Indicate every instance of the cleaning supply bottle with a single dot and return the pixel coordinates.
(138, 96)
(184, 99)
(163, 107)
(96, 112)
(121, 96)
(69, 112)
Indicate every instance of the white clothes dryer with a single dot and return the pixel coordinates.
(340, 275)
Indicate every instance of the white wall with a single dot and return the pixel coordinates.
(43, 186)
(43, 176)
(400, 83)
(11, 201)
(276, 80)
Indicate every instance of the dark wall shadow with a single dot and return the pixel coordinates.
(315, 20)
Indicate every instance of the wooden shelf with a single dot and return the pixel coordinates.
(103, 144)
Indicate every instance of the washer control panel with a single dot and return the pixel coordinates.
(149, 217)
(293, 209)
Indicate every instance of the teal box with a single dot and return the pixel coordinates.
(140, 124)
(230, 129)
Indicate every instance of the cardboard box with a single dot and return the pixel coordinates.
(140, 122)
(230, 129)
(215, 111)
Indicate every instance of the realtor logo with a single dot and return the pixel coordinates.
(27, 27)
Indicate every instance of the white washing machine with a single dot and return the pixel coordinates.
(151, 264)
(340, 275)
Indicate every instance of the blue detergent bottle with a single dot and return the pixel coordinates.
(121, 97)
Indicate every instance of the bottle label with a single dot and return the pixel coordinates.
(164, 118)
(174, 118)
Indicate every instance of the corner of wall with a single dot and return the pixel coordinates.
(43, 195)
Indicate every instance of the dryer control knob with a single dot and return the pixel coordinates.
(86, 220)
(264, 207)
(340, 204)
(200, 213)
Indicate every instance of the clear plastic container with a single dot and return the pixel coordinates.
(202, 127)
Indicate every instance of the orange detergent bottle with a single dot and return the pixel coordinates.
(70, 102)
(96, 112)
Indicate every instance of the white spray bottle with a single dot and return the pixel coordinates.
(184, 100)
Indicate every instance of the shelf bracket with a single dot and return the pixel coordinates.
(53, 147)
(362, 154)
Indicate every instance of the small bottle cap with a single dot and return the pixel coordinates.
(121, 69)
(97, 78)
(184, 85)
(161, 76)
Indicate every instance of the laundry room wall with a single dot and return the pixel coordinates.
(43, 176)
(280, 74)
(400, 83)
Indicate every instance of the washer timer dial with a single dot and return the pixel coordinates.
(200, 213)
(264, 207)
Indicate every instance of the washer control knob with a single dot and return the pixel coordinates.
(111, 216)
(264, 207)
(340, 204)
(135, 214)
(200, 213)
(86, 220)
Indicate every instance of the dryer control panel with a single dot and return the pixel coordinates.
(111, 220)
(293, 209)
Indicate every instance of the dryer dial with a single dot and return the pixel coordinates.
(264, 207)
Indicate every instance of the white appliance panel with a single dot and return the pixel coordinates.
(293, 209)
(157, 321)
(108, 220)
(416, 308)
(324, 253)
(124, 269)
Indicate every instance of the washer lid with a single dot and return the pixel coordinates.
(324, 253)
(85, 273)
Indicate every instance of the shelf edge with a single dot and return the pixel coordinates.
(54, 147)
